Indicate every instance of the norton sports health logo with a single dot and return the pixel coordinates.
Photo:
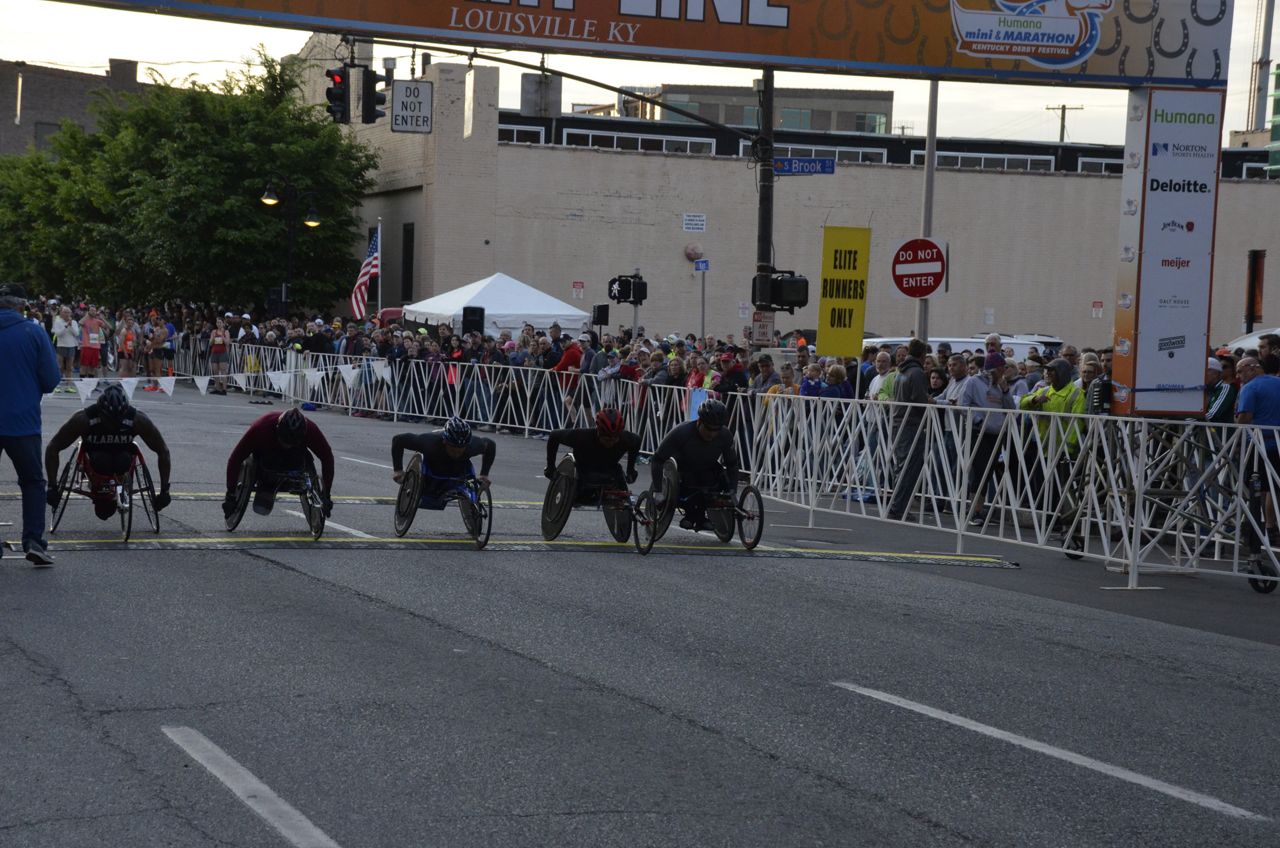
(1048, 33)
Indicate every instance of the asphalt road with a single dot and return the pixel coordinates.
(260, 689)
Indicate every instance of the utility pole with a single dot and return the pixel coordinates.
(1062, 121)
(764, 168)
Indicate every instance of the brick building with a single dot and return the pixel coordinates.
(35, 100)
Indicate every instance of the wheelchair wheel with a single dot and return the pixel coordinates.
(312, 503)
(1263, 567)
(558, 502)
(145, 489)
(646, 521)
(619, 522)
(670, 492)
(64, 493)
(750, 517)
(1073, 547)
(244, 491)
(125, 510)
(480, 510)
(409, 496)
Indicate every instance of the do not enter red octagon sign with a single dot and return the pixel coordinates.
(919, 267)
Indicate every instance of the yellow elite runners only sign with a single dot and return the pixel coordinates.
(842, 300)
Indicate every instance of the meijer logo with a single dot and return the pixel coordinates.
(1164, 116)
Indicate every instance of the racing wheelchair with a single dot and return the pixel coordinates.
(305, 483)
(621, 510)
(745, 513)
(133, 486)
(475, 503)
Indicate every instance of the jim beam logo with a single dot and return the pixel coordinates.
(1048, 33)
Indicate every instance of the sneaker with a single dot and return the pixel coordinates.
(38, 556)
(687, 524)
(152, 389)
(977, 521)
(262, 505)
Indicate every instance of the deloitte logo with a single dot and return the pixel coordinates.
(1164, 116)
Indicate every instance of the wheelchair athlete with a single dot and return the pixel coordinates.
(106, 431)
(597, 452)
(446, 457)
(281, 443)
(706, 459)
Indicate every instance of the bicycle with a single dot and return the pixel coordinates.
(475, 503)
(304, 482)
(79, 478)
(1257, 562)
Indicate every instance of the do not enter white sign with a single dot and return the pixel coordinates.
(411, 106)
(919, 267)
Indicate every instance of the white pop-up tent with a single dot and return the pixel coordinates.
(508, 305)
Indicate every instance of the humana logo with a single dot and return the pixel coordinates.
(1163, 116)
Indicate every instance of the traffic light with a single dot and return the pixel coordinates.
(620, 289)
(370, 97)
(639, 290)
(779, 291)
(339, 95)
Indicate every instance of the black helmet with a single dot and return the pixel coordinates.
(457, 432)
(114, 403)
(291, 428)
(713, 413)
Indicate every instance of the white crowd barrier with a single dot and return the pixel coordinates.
(1137, 494)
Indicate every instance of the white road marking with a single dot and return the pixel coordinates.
(253, 793)
(1207, 801)
(359, 534)
(366, 462)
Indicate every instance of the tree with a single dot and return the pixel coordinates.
(161, 202)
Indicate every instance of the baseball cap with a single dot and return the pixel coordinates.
(228, 315)
(584, 337)
(13, 290)
(613, 354)
(1213, 364)
(726, 357)
(422, 331)
(246, 317)
(1222, 351)
(993, 361)
(509, 345)
(319, 322)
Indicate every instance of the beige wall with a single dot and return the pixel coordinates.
(1035, 249)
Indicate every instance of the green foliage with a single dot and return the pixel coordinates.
(162, 202)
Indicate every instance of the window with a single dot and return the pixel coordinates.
(855, 155)
(519, 135)
(796, 119)
(44, 129)
(751, 116)
(695, 108)
(987, 161)
(637, 142)
(406, 263)
(870, 122)
(1257, 171)
(1088, 165)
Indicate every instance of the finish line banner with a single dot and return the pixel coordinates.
(1106, 43)
(842, 298)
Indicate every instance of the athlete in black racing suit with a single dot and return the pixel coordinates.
(706, 459)
(445, 454)
(596, 453)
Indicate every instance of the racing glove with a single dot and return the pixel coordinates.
(632, 474)
(326, 504)
(549, 472)
(52, 496)
(229, 504)
(162, 500)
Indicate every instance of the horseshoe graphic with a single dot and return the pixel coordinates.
(1195, 13)
(915, 26)
(879, 47)
(1182, 48)
(1128, 12)
(1151, 62)
(1114, 46)
(920, 50)
(943, 6)
(822, 21)
(871, 4)
(1191, 62)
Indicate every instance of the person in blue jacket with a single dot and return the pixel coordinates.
(30, 371)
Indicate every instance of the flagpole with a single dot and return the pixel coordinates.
(379, 267)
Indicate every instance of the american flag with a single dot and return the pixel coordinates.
(360, 294)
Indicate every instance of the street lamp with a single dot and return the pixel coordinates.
(291, 196)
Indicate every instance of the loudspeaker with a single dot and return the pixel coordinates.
(473, 319)
(600, 315)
